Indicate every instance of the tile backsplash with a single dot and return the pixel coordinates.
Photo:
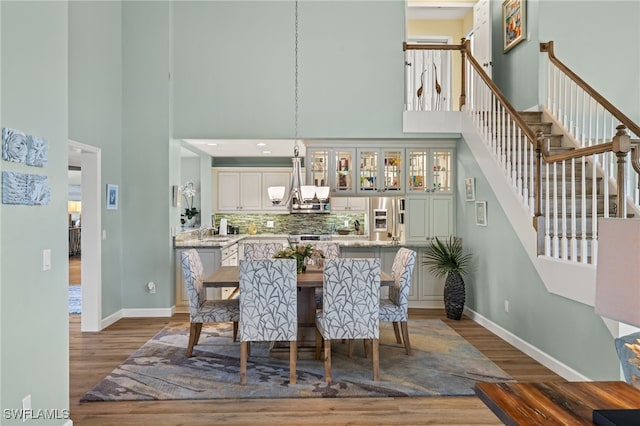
(294, 223)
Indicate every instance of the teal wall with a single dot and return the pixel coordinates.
(95, 117)
(234, 69)
(593, 38)
(147, 253)
(33, 315)
(566, 330)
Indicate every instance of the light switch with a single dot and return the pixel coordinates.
(104, 234)
(46, 259)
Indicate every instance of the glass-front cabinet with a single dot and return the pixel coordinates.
(333, 168)
(380, 170)
(429, 170)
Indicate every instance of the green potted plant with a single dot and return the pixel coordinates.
(446, 259)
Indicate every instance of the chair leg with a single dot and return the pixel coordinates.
(327, 360)
(293, 357)
(405, 337)
(194, 336)
(243, 362)
(318, 344)
(235, 331)
(397, 331)
(350, 348)
(365, 345)
(376, 359)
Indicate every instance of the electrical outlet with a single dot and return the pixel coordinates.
(151, 286)
(46, 259)
(269, 224)
(506, 306)
(346, 222)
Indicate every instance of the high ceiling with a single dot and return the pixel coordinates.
(244, 147)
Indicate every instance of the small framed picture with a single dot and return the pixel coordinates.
(470, 189)
(112, 197)
(514, 28)
(481, 213)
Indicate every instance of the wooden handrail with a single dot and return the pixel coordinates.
(406, 46)
(548, 48)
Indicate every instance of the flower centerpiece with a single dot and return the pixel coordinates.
(302, 253)
(188, 192)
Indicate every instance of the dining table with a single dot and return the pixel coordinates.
(307, 282)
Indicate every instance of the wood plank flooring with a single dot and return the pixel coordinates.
(94, 355)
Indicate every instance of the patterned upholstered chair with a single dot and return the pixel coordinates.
(200, 309)
(351, 293)
(259, 251)
(268, 308)
(330, 251)
(395, 308)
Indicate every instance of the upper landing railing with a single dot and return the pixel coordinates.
(565, 183)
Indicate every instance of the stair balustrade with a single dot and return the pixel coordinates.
(567, 163)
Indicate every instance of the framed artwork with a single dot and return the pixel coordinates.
(514, 28)
(112, 197)
(470, 189)
(481, 213)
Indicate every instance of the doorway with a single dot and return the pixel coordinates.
(88, 159)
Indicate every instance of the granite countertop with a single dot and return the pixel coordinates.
(192, 240)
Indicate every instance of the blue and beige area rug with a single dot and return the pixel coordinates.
(443, 364)
(75, 299)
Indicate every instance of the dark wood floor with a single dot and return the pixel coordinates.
(94, 355)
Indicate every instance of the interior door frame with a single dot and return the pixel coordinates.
(90, 240)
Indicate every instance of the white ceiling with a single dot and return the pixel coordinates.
(438, 10)
(243, 147)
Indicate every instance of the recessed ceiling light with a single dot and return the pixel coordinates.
(266, 152)
(212, 144)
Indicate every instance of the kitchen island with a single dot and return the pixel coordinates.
(215, 251)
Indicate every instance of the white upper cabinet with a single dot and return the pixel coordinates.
(380, 171)
(332, 167)
(429, 170)
(239, 191)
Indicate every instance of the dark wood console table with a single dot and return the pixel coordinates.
(555, 403)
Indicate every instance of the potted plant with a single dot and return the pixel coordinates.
(190, 212)
(446, 259)
(301, 253)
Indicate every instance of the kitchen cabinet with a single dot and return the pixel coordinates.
(428, 216)
(348, 204)
(239, 191)
(380, 170)
(332, 167)
(429, 170)
(427, 291)
(229, 257)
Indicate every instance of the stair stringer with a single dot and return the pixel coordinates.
(574, 281)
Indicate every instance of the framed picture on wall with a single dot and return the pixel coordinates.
(112, 197)
(470, 189)
(481, 213)
(514, 28)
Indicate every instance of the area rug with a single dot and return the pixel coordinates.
(75, 299)
(443, 364)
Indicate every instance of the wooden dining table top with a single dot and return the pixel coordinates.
(229, 276)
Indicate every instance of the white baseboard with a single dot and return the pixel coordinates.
(542, 357)
(138, 313)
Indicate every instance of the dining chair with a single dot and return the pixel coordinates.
(351, 293)
(202, 310)
(268, 308)
(259, 251)
(395, 308)
(329, 251)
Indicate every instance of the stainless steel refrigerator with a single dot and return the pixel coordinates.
(386, 218)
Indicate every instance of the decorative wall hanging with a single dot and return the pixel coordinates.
(470, 189)
(112, 197)
(25, 189)
(514, 28)
(481, 213)
(18, 147)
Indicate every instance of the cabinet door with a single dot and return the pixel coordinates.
(342, 179)
(418, 166)
(358, 204)
(442, 174)
(340, 204)
(274, 179)
(391, 167)
(431, 289)
(228, 191)
(251, 191)
(417, 218)
(368, 171)
(317, 161)
(441, 216)
(351, 204)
